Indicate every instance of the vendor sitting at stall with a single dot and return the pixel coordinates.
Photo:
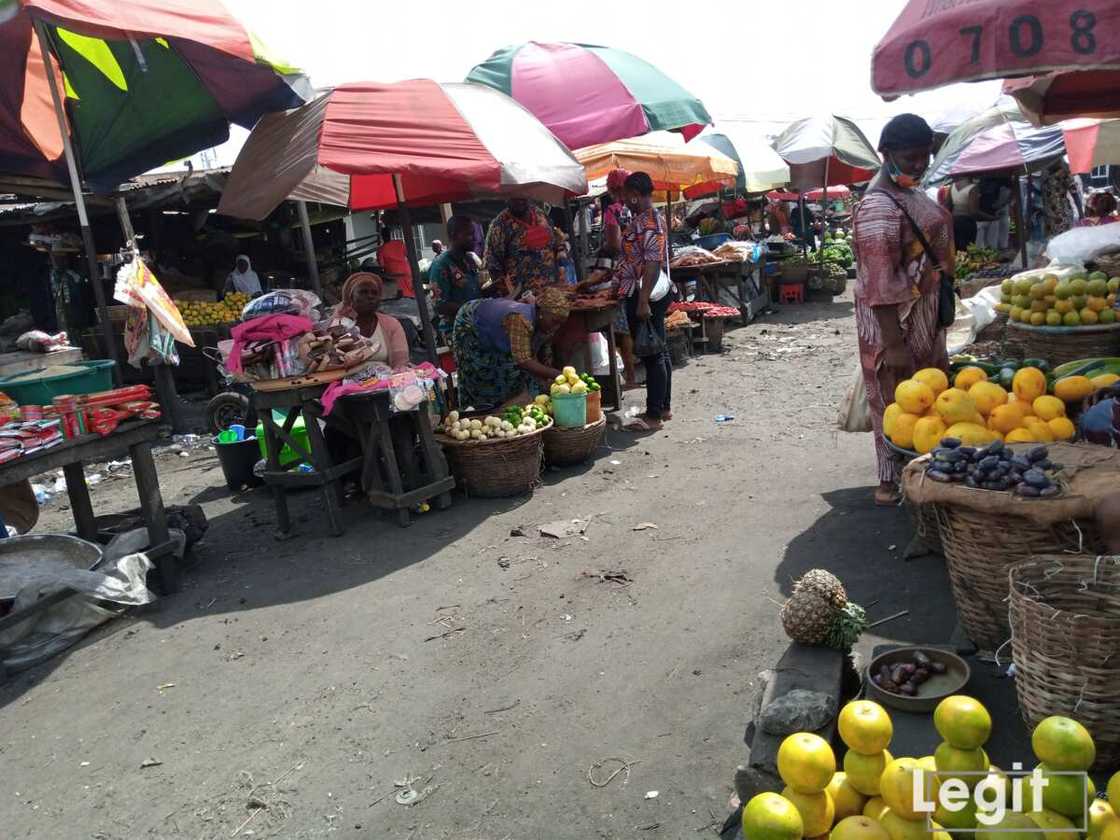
(503, 348)
(242, 279)
(1100, 209)
(521, 248)
(361, 299)
(453, 274)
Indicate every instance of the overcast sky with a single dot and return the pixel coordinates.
(760, 63)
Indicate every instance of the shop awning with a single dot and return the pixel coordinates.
(826, 149)
(671, 166)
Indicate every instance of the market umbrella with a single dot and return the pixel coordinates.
(588, 94)
(826, 150)
(671, 164)
(995, 140)
(126, 85)
(367, 145)
(838, 191)
(760, 167)
(1053, 97)
(934, 44)
(1091, 143)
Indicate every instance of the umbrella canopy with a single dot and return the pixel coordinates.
(446, 142)
(934, 44)
(838, 191)
(670, 166)
(145, 81)
(826, 150)
(588, 95)
(760, 167)
(1048, 99)
(996, 140)
(1091, 143)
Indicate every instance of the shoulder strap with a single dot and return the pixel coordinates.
(917, 230)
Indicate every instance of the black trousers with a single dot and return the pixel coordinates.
(659, 367)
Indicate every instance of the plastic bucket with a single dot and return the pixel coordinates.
(594, 406)
(287, 454)
(237, 460)
(569, 410)
(86, 378)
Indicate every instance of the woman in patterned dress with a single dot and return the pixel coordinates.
(897, 283)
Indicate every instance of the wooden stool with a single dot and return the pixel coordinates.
(791, 293)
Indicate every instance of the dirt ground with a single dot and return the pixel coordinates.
(289, 686)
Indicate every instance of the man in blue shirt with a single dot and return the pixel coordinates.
(454, 273)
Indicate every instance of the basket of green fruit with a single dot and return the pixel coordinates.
(1062, 319)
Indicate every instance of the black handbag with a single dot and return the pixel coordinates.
(647, 341)
(946, 293)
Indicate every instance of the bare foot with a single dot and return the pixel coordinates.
(886, 496)
(666, 415)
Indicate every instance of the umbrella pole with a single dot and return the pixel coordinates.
(575, 249)
(824, 211)
(109, 345)
(309, 248)
(414, 265)
(1020, 228)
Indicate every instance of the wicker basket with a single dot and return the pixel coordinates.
(1065, 642)
(996, 330)
(924, 520)
(568, 447)
(980, 547)
(1059, 345)
(495, 469)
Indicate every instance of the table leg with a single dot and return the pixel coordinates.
(80, 505)
(151, 506)
(332, 490)
(279, 495)
(393, 472)
(612, 362)
(435, 462)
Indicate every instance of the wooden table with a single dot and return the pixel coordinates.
(71, 456)
(367, 418)
(750, 297)
(601, 319)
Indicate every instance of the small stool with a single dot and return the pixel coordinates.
(791, 293)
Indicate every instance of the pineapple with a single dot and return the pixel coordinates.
(825, 584)
(807, 617)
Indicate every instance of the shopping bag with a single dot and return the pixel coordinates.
(646, 340)
(855, 415)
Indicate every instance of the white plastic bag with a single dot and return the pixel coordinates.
(855, 414)
(1083, 244)
(600, 358)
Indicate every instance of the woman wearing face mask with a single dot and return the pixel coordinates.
(897, 282)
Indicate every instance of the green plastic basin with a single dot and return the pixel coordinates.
(35, 388)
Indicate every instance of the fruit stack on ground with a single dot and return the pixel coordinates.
(806, 764)
(964, 726)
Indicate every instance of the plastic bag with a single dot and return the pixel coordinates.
(854, 414)
(37, 341)
(1083, 244)
(283, 302)
(647, 342)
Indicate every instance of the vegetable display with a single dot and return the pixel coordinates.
(994, 467)
(1047, 301)
(974, 259)
(528, 419)
(570, 382)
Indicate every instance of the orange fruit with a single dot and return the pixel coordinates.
(952, 762)
(1047, 407)
(1055, 826)
(1039, 429)
(1005, 417)
(935, 378)
(865, 771)
(1013, 826)
(968, 376)
(1111, 831)
(1101, 815)
(1029, 383)
(847, 801)
(1062, 428)
(914, 397)
(960, 820)
(901, 829)
(1020, 436)
(902, 434)
(889, 416)
(1073, 389)
(987, 395)
(962, 721)
(769, 816)
(1103, 380)
(1069, 795)
(971, 434)
(865, 726)
(806, 762)
(875, 807)
(896, 786)
(858, 828)
(928, 432)
(1062, 743)
(1113, 789)
(816, 809)
(955, 406)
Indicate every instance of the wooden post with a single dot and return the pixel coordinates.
(1020, 227)
(414, 265)
(309, 248)
(824, 211)
(108, 339)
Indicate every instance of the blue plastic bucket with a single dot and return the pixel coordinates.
(569, 410)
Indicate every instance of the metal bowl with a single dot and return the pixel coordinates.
(41, 551)
(932, 691)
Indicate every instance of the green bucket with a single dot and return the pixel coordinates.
(287, 454)
(569, 410)
(39, 387)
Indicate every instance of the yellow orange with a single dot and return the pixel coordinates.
(865, 771)
(816, 809)
(1039, 428)
(1029, 384)
(847, 801)
(1047, 407)
(1113, 790)
(957, 820)
(889, 416)
(903, 829)
(914, 397)
(987, 395)
(953, 761)
(1101, 815)
(1073, 389)
(1062, 743)
(903, 432)
(970, 434)
(1020, 436)
(962, 721)
(865, 727)
(769, 816)
(859, 828)
(896, 786)
(935, 378)
(968, 376)
(1066, 794)
(928, 432)
(1054, 825)
(1103, 380)
(955, 406)
(1062, 428)
(806, 762)
(875, 807)
(1006, 417)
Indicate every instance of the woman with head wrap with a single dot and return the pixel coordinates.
(503, 348)
(361, 298)
(1100, 209)
(897, 282)
(243, 279)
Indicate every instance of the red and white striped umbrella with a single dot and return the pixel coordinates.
(367, 146)
(1091, 143)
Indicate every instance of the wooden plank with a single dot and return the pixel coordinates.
(412, 498)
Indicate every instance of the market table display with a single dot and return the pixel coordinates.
(71, 456)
